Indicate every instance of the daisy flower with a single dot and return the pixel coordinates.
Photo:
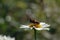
(40, 26)
(4, 37)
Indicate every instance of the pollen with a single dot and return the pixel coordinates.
(37, 25)
(31, 25)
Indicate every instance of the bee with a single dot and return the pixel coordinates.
(34, 23)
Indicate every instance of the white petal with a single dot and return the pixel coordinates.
(42, 28)
(44, 24)
(24, 26)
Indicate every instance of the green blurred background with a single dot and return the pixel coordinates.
(13, 14)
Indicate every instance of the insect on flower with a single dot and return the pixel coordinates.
(37, 25)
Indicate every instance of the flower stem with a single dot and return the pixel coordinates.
(34, 33)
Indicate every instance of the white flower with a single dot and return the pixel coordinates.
(4, 37)
(43, 25)
(8, 18)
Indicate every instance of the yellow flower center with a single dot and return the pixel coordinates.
(31, 25)
(35, 25)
